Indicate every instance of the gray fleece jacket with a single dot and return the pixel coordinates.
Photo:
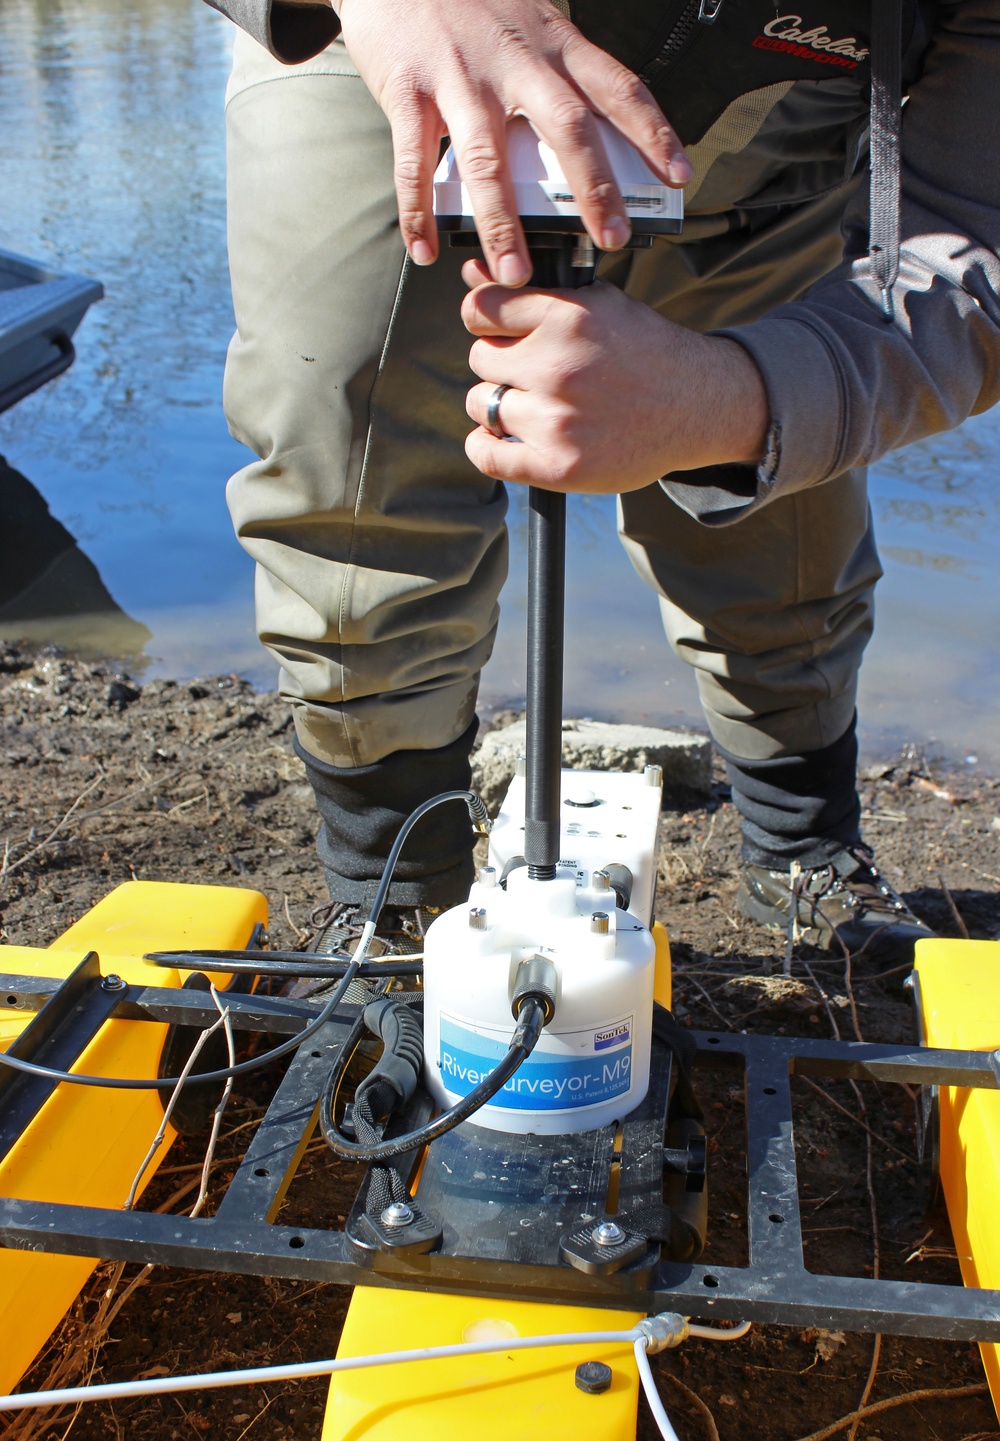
(845, 386)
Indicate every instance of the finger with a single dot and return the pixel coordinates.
(502, 459)
(512, 413)
(416, 135)
(492, 310)
(566, 123)
(617, 93)
(476, 272)
(479, 137)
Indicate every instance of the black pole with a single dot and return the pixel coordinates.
(552, 258)
(546, 605)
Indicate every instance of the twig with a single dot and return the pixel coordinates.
(711, 1004)
(711, 1429)
(300, 934)
(909, 1398)
(856, 1119)
(826, 1004)
(168, 1111)
(8, 865)
(220, 1109)
(876, 1265)
(960, 923)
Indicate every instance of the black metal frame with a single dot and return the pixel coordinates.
(506, 1205)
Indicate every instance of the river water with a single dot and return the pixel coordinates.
(111, 164)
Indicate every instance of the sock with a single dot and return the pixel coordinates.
(803, 808)
(363, 808)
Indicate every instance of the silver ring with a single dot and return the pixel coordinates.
(493, 422)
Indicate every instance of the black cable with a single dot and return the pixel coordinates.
(309, 964)
(530, 1020)
(479, 816)
(201, 1078)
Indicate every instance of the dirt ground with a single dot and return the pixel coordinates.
(104, 780)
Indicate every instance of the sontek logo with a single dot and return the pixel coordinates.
(613, 1036)
(787, 35)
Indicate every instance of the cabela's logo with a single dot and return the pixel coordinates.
(787, 34)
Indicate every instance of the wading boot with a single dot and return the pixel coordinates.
(844, 904)
(337, 927)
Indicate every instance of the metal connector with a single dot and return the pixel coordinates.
(536, 977)
(664, 1331)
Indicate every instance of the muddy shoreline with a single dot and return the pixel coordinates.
(105, 780)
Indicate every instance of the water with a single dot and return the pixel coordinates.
(111, 164)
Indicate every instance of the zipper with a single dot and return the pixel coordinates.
(705, 12)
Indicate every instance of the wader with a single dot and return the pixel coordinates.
(381, 551)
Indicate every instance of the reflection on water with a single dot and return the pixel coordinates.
(50, 592)
(112, 165)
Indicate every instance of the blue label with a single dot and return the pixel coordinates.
(543, 1082)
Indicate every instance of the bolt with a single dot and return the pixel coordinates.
(477, 918)
(113, 983)
(519, 766)
(653, 775)
(599, 923)
(608, 1233)
(487, 876)
(594, 1377)
(600, 881)
(396, 1215)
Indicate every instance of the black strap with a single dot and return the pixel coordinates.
(666, 1029)
(886, 114)
(376, 1098)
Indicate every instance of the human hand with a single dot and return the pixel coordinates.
(606, 394)
(449, 67)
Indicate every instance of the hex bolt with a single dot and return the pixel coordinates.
(396, 1215)
(594, 1377)
(653, 775)
(600, 881)
(608, 1233)
(487, 876)
(599, 923)
(112, 982)
(477, 918)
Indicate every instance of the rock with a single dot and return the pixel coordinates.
(121, 694)
(685, 756)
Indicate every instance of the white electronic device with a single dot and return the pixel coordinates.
(544, 199)
(591, 1064)
(607, 818)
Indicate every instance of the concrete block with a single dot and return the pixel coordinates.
(686, 756)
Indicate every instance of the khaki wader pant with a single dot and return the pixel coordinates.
(381, 551)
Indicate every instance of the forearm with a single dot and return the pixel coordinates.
(844, 386)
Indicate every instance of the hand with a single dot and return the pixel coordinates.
(458, 68)
(606, 394)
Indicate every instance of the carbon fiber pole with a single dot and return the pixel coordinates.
(546, 606)
(553, 267)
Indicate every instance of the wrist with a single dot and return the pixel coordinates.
(744, 415)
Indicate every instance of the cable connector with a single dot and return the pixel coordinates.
(478, 814)
(664, 1332)
(536, 979)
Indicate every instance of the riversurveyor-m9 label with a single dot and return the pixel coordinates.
(547, 1080)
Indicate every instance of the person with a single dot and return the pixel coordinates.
(730, 384)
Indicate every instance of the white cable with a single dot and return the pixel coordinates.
(122, 1390)
(716, 1333)
(665, 1330)
(652, 1395)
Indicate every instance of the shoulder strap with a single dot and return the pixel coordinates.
(886, 114)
